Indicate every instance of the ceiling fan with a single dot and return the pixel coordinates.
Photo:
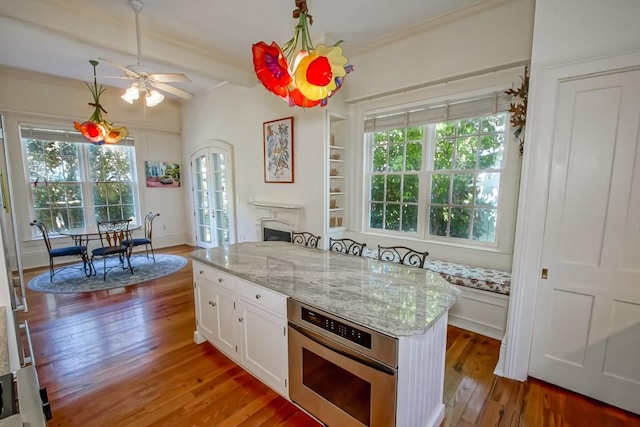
(144, 79)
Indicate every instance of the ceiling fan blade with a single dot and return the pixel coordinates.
(170, 78)
(173, 90)
(127, 71)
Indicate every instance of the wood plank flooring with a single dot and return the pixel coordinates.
(126, 357)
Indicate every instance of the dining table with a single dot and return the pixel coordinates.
(83, 235)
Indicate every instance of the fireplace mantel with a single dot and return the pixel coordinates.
(284, 213)
(276, 205)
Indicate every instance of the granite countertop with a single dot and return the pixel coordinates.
(393, 299)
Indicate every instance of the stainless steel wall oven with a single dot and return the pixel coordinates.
(342, 373)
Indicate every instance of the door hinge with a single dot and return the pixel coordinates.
(236, 349)
(195, 285)
(197, 322)
(545, 273)
(234, 305)
(284, 329)
(285, 383)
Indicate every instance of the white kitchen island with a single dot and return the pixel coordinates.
(241, 297)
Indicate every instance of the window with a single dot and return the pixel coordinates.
(74, 183)
(437, 179)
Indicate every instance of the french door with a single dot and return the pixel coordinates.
(213, 196)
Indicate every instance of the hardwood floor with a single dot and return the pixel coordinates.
(126, 357)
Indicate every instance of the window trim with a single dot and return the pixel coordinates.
(83, 163)
(425, 175)
(457, 87)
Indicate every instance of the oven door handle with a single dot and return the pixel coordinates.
(344, 351)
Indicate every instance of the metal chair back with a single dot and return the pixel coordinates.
(347, 246)
(402, 255)
(305, 238)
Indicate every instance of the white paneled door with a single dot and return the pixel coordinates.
(587, 324)
(213, 196)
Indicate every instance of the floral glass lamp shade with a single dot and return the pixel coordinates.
(306, 76)
(97, 130)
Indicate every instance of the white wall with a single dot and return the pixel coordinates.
(489, 36)
(38, 99)
(235, 115)
(570, 37)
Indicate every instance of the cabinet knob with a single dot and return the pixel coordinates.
(220, 279)
(212, 304)
(240, 319)
(201, 272)
(258, 296)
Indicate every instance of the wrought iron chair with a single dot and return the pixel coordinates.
(305, 238)
(147, 239)
(346, 246)
(112, 236)
(402, 255)
(76, 250)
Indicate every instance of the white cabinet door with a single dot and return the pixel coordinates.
(587, 325)
(264, 346)
(206, 313)
(217, 320)
(226, 330)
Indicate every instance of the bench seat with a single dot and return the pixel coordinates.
(482, 307)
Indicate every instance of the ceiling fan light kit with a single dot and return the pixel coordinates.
(144, 79)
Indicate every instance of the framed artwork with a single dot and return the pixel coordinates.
(162, 174)
(277, 136)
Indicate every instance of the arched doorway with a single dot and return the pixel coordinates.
(214, 213)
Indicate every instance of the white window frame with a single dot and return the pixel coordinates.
(424, 178)
(482, 86)
(85, 183)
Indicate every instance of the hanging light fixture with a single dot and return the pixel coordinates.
(304, 75)
(152, 97)
(97, 130)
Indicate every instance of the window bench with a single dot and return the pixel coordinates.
(482, 306)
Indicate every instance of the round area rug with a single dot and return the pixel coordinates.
(71, 279)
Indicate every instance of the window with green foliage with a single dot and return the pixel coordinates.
(439, 180)
(73, 183)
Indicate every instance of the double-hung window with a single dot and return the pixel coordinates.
(74, 183)
(435, 172)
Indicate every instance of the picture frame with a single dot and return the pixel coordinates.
(162, 174)
(277, 142)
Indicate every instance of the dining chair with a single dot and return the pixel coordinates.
(112, 235)
(147, 239)
(75, 250)
(346, 246)
(305, 238)
(402, 255)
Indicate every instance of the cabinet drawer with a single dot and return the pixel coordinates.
(262, 297)
(216, 276)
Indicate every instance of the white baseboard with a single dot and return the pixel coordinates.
(499, 370)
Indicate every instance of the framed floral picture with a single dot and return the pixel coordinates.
(277, 138)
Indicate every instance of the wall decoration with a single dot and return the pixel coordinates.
(162, 174)
(518, 108)
(278, 150)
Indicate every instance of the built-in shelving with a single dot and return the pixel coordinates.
(337, 201)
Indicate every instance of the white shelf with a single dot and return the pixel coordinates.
(336, 177)
(336, 209)
(336, 160)
(336, 194)
(336, 147)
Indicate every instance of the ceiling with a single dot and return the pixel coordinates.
(209, 40)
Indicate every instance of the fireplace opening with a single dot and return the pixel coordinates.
(273, 235)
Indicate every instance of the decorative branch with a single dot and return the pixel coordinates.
(518, 109)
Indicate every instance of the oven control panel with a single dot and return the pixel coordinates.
(337, 328)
